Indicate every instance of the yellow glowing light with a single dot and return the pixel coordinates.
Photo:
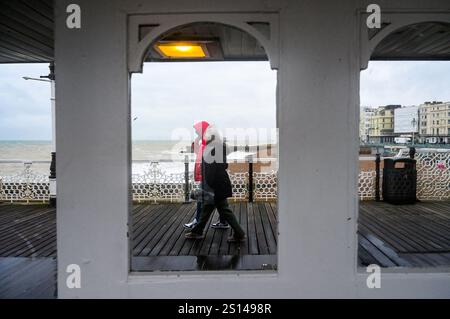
(181, 50)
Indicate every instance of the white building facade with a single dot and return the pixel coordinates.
(364, 123)
(435, 122)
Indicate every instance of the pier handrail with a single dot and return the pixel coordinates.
(25, 184)
(161, 160)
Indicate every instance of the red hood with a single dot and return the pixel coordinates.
(200, 128)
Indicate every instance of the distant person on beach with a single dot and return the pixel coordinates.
(198, 146)
(215, 180)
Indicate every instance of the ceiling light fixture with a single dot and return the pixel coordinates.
(182, 50)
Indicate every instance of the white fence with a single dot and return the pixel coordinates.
(154, 184)
(433, 175)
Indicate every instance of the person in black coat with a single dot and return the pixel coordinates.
(217, 182)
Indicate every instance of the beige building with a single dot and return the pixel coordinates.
(434, 125)
(381, 128)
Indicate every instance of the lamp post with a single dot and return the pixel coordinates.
(413, 123)
(50, 78)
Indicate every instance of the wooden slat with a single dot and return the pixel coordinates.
(422, 233)
(260, 235)
(169, 236)
(153, 229)
(389, 230)
(175, 242)
(244, 247)
(251, 231)
(151, 217)
(388, 235)
(270, 238)
(160, 232)
(385, 249)
(273, 220)
(382, 259)
(210, 233)
(27, 278)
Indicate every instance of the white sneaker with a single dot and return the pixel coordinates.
(191, 224)
(220, 225)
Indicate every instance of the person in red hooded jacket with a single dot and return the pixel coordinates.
(215, 188)
(199, 147)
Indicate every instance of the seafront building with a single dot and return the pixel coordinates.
(365, 116)
(426, 123)
(381, 127)
(435, 122)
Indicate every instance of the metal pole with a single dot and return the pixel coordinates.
(412, 152)
(377, 176)
(250, 180)
(186, 179)
(52, 177)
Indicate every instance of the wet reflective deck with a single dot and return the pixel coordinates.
(390, 236)
(405, 235)
(159, 243)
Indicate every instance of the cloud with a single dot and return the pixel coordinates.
(25, 109)
(405, 82)
(229, 94)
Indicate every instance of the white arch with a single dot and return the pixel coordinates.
(164, 23)
(397, 21)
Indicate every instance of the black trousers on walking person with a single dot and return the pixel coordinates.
(225, 213)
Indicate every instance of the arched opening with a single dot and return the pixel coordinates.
(222, 76)
(404, 161)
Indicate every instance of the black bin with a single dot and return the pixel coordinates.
(399, 181)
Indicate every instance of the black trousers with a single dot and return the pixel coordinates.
(198, 213)
(225, 213)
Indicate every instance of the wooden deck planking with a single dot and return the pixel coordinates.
(153, 216)
(251, 231)
(27, 232)
(434, 235)
(155, 231)
(420, 232)
(177, 235)
(410, 235)
(27, 278)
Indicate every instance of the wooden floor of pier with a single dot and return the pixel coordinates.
(404, 235)
(390, 236)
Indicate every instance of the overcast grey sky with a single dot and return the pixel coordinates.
(229, 94)
(405, 82)
(176, 95)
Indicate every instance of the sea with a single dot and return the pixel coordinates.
(169, 155)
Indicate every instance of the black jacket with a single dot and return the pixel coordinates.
(214, 170)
